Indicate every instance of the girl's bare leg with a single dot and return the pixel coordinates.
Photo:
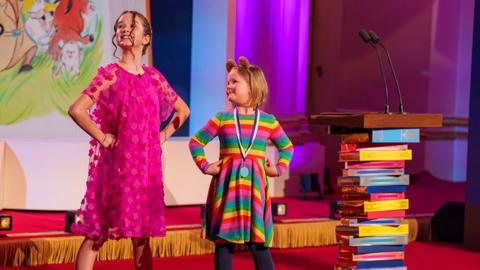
(142, 254)
(88, 253)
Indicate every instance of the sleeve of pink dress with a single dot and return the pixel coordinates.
(168, 96)
(100, 82)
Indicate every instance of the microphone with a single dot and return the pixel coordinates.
(376, 40)
(368, 39)
(139, 75)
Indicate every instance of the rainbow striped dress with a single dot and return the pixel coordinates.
(238, 209)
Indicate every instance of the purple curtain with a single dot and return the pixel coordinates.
(274, 35)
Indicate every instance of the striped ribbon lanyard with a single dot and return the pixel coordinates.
(244, 170)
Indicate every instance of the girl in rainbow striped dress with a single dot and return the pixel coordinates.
(238, 209)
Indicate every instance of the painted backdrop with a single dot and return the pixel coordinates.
(50, 50)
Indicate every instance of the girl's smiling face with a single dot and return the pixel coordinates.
(129, 33)
(238, 89)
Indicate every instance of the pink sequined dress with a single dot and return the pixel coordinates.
(124, 196)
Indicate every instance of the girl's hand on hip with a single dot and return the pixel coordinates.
(270, 169)
(109, 141)
(214, 168)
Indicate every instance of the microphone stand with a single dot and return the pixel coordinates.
(375, 39)
(368, 39)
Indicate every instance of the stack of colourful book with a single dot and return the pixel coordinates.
(373, 233)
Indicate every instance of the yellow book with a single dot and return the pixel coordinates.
(381, 230)
(386, 155)
(373, 155)
(388, 205)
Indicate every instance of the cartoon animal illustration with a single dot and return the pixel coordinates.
(39, 25)
(69, 24)
(90, 19)
(15, 43)
(70, 56)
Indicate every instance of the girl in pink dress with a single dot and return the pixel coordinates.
(124, 197)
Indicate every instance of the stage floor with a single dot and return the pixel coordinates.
(426, 195)
(38, 238)
(419, 256)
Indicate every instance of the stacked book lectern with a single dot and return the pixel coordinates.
(373, 150)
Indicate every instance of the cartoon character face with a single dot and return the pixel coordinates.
(39, 25)
(70, 56)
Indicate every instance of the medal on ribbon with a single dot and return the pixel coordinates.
(244, 171)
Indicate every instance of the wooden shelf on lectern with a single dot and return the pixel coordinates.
(375, 120)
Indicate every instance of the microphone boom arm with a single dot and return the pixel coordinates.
(382, 73)
(376, 40)
(392, 69)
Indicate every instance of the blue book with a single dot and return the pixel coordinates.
(373, 172)
(380, 264)
(366, 181)
(393, 240)
(379, 221)
(386, 189)
(381, 248)
(408, 135)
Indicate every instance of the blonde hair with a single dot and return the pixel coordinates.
(254, 77)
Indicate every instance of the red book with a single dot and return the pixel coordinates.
(393, 164)
(373, 196)
(372, 215)
(386, 196)
(355, 147)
